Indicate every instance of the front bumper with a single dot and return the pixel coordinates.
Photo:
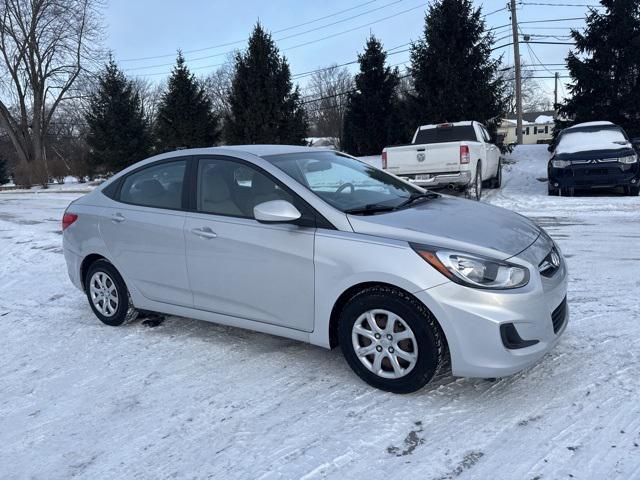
(471, 320)
(459, 179)
(595, 175)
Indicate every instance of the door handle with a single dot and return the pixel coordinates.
(117, 218)
(204, 232)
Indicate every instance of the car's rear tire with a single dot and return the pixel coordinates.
(399, 357)
(497, 180)
(108, 295)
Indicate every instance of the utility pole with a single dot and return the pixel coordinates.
(555, 92)
(516, 61)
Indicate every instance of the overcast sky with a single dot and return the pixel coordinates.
(157, 28)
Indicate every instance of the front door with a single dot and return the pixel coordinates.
(238, 266)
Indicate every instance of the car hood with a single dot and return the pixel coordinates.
(452, 222)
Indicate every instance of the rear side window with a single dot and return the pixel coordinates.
(458, 133)
(158, 186)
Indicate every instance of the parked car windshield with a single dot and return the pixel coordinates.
(446, 133)
(344, 182)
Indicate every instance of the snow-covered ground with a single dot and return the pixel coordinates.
(189, 399)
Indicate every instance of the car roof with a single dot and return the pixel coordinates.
(591, 124)
(266, 150)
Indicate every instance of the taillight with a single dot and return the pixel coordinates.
(465, 156)
(68, 219)
(384, 159)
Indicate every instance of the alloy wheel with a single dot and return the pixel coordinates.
(104, 294)
(384, 343)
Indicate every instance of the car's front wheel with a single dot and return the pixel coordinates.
(108, 295)
(391, 340)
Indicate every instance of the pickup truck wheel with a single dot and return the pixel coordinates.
(474, 190)
(497, 181)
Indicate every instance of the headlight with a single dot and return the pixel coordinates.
(473, 270)
(628, 159)
(560, 163)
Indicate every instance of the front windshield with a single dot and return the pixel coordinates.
(343, 182)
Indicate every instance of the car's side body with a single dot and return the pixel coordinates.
(592, 155)
(290, 279)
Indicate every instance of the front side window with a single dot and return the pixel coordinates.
(230, 188)
(343, 182)
(158, 186)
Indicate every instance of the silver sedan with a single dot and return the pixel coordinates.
(317, 246)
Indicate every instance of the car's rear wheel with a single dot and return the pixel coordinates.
(391, 340)
(474, 190)
(108, 295)
(497, 181)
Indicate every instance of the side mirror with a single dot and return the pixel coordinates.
(276, 211)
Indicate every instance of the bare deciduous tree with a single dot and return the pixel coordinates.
(533, 97)
(44, 47)
(327, 114)
(218, 85)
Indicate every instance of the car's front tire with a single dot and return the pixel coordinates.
(391, 340)
(108, 295)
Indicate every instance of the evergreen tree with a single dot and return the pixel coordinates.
(370, 122)
(454, 76)
(118, 133)
(4, 174)
(264, 106)
(185, 117)
(605, 68)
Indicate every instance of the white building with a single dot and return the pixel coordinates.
(537, 127)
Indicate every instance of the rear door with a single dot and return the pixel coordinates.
(238, 266)
(143, 229)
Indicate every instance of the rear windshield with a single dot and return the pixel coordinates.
(446, 134)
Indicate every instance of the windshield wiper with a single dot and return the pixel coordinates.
(418, 196)
(370, 209)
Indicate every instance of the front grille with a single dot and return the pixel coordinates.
(559, 315)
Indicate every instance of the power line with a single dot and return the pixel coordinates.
(277, 39)
(562, 4)
(421, 5)
(244, 40)
(552, 20)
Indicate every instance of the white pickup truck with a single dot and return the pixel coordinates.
(456, 155)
